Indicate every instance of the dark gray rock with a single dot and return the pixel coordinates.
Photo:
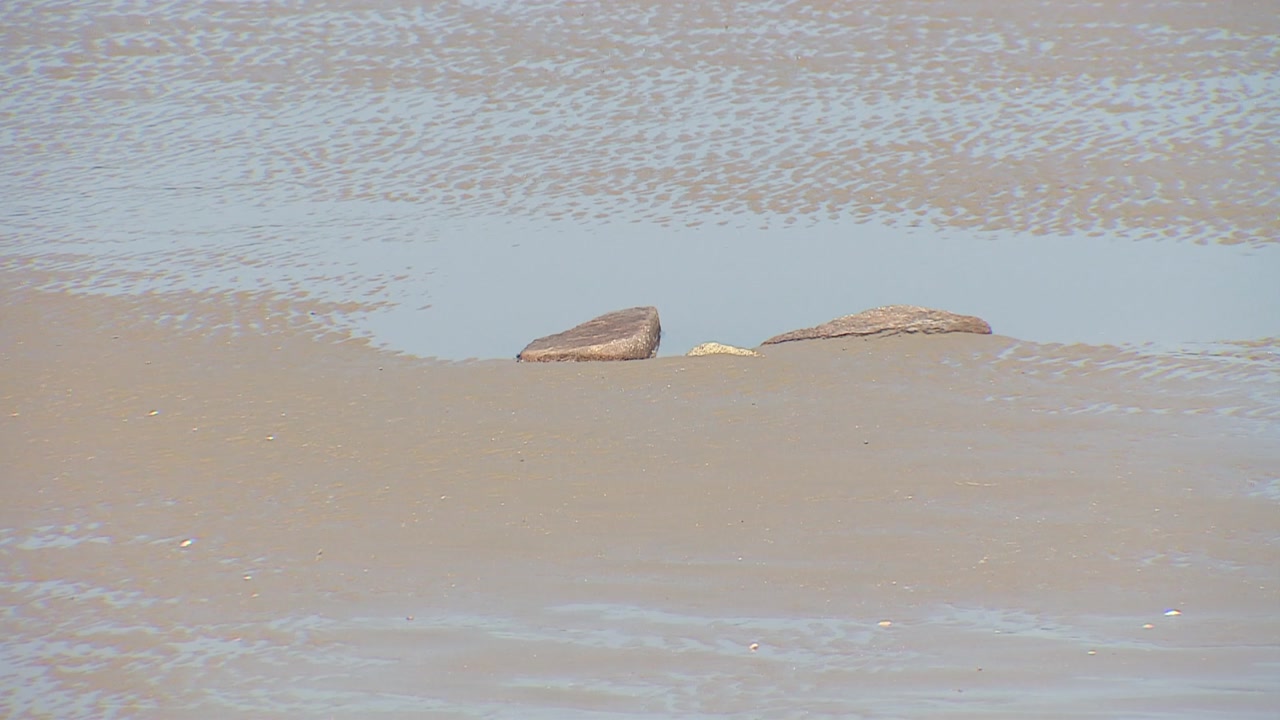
(889, 320)
(630, 334)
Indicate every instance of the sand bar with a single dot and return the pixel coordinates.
(199, 521)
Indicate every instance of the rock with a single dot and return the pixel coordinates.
(715, 348)
(889, 320)
(630, 334)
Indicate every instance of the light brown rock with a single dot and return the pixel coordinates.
(715, 348)
(889, 320)
(630, 334)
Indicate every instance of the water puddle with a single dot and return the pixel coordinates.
(483, 288)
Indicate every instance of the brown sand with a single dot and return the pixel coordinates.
(375, 532)
(215, 506)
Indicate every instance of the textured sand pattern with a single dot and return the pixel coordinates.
(1141, 118)
(199, 524)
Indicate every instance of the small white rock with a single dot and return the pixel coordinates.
(715, 348)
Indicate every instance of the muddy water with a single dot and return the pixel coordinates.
(222, 497)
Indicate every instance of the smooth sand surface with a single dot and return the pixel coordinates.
(278, 522)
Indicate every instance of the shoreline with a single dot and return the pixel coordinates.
(245, 471)
(1183, 305)
(1083, 488)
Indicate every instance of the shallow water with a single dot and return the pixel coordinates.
(494, 285)
(477, 175)
(216, 506)
(599, 660)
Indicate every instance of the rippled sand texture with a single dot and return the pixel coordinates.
(214, 503)
(200, 522)
(1145, 118)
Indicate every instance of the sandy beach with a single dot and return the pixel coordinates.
(283, 523)
(247, 472)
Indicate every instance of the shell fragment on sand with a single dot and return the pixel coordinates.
(889, 320)
(630, 334)
(715, 348)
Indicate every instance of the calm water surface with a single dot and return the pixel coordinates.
(478, 174)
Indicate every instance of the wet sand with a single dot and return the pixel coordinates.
(278, 522)
(233, 486)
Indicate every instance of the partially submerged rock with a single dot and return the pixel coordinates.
(715, 348)
(630, 334)
(889, 320)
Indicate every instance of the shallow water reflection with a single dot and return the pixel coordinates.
(451, 292)
(596, 660)
(484, 174)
